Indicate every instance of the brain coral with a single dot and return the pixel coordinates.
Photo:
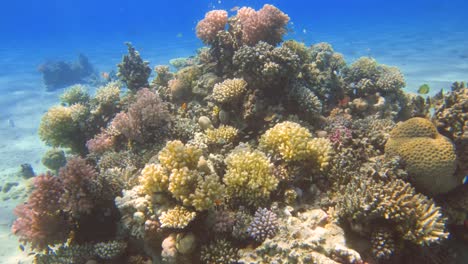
(430, 157)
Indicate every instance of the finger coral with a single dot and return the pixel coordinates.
(291, 142)
(178, 217)
(176, 155)
(249, 176)
(154, 178)
(222, 135)
(430, 157)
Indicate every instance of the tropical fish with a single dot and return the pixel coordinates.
(424, 89)
(179, 35)
(234, 9)
(105, 75)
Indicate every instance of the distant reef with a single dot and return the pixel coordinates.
(59, 74)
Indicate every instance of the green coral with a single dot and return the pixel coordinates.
(249, 176)
(60, 126)
(54, 159)
(76, 94)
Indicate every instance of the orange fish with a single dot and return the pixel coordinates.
(183, 107)
(105, 75)
(344, 101)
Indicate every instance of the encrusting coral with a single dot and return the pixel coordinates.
(430, 157)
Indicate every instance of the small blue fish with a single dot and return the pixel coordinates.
(465, 180)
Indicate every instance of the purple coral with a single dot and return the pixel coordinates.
(39, 220)
(264, 225)
(143, 118)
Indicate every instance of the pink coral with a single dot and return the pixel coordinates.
(100, 143)
(267, 24)
(213, 22)
(80, 186)
(143, 117)
(39, 221)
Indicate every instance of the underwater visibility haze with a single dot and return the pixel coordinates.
(226, 132)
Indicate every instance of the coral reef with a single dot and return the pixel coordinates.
(430, 157)
(181, 168)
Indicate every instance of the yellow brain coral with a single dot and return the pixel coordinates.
(292, 142)
(249, 177)
(430, 157)
(229, 91)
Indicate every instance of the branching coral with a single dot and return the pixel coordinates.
(80, 187)
(415, 218)
(39, 221)
(249, 177)
(219, 252)
(76, 94)
(222, 135)
(291, 142)
(264, 225)
(133, 70)
(176, 155)
(178, 217)
(430, 157)
(208, 28)
(144, 118)
(229, 91)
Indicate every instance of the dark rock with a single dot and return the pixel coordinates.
(26, 171)
(7, 187)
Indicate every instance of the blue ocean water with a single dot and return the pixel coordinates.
(426, 39)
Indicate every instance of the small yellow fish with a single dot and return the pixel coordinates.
(424, 89)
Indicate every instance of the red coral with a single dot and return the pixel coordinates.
(143, 117)
(40, 221)
(213, 22)
(267, 24)
(80, 186)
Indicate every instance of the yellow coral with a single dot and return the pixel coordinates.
(178, 217)
(429, 157)
(109, 94)
(182, 183)
(249, 176)
(292, 142)
(229, 91)
(154, 179)
(176, 155)
(209, 192)
(222, 135)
